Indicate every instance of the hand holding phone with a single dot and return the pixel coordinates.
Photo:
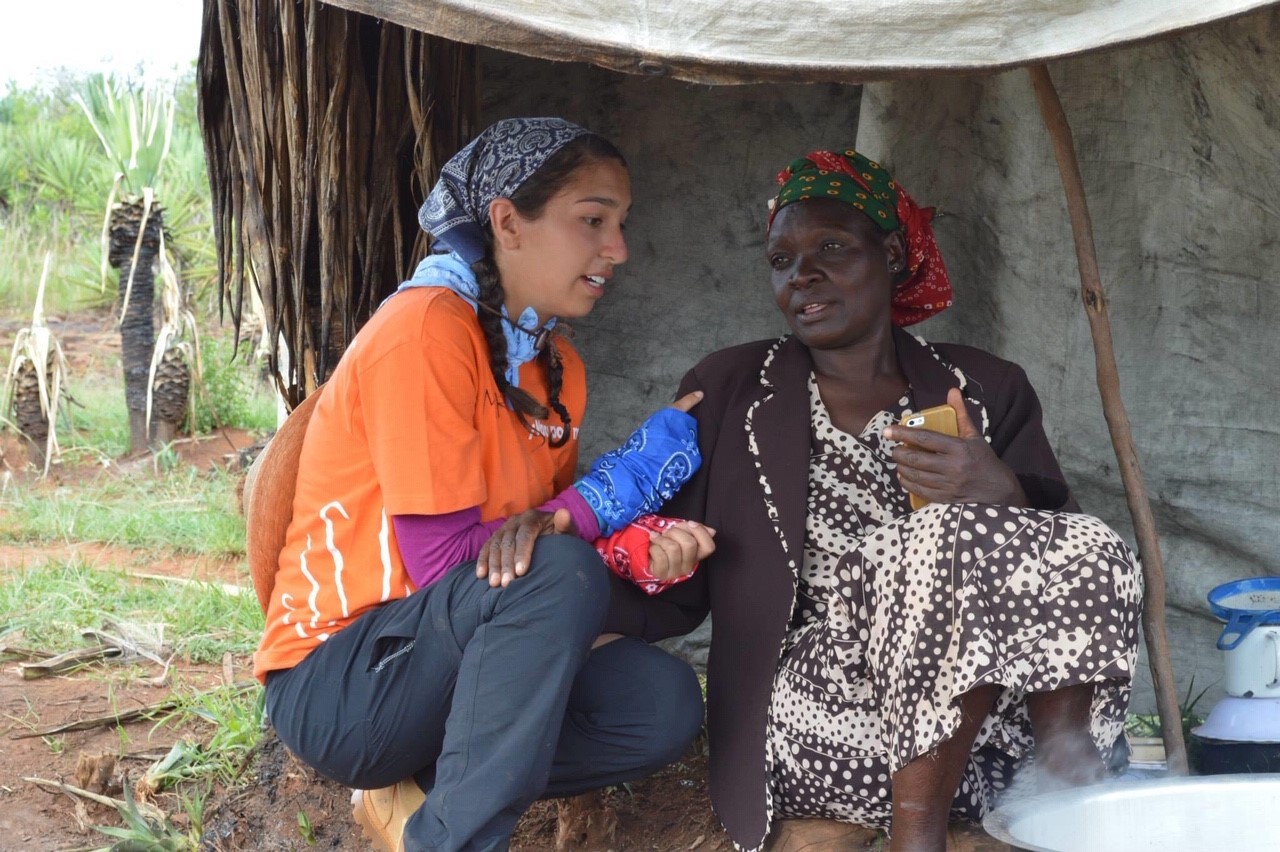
(940, 418)
(943, 454)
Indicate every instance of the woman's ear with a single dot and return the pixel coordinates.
(895, 250)
(505, 221)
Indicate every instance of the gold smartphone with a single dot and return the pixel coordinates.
(940, 418)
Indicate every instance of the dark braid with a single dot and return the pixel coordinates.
(492, 296)
(550, 357)
(529, 200)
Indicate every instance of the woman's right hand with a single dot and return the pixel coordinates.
(675, 552)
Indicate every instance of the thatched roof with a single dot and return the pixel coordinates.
(322, 128)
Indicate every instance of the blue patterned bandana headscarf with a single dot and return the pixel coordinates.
(493, 165)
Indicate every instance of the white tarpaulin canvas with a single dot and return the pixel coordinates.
(743, 41)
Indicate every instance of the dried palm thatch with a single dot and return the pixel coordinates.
(323, 130)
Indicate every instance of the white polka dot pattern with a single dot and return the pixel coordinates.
(898, 612)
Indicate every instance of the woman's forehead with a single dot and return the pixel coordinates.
(803, 217)
(605, 181)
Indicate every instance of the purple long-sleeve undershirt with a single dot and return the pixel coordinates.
(432, 544)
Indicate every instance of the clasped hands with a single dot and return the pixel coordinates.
(673, 553)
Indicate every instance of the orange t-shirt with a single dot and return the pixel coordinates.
(410, 423)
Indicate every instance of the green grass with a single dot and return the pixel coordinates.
(179, 509)
(232, 394)
(73, 277)
(235, 715)
(52, 603)
(95, 423)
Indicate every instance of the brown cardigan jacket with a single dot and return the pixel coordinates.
(754, 431)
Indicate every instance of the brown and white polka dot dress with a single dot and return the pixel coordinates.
(898, 612)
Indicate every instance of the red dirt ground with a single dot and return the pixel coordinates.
(667, 812)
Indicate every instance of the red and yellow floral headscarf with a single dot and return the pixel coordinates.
(925, 288)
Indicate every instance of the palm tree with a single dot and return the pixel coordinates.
(33, 382)
(135, 128)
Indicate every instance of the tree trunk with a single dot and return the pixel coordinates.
(28, 415)
(136, 261)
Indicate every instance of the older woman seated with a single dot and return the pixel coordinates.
(871, 663)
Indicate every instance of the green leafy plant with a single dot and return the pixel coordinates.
(236, 714)
(229, 392)
(135, 127)
(1148, 724)
(64, 167)
(305, 828)
(149, 831)
(194, 804)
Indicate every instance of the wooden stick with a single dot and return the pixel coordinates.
(73, 791)
(68, 662)
(143, 712)
(147, 809)
(1144, 527)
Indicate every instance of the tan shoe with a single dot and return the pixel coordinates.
(383, 813)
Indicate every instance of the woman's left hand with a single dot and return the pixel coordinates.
(508, 552)
(964, 469)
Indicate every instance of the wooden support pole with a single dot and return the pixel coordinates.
(1144, 527)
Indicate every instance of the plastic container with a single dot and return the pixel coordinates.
(1227, 758)
(1243, 605)
(1189, 814)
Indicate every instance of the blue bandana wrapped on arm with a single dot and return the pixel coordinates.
(645, 472)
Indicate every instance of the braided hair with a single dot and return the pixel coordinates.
(529, 200)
